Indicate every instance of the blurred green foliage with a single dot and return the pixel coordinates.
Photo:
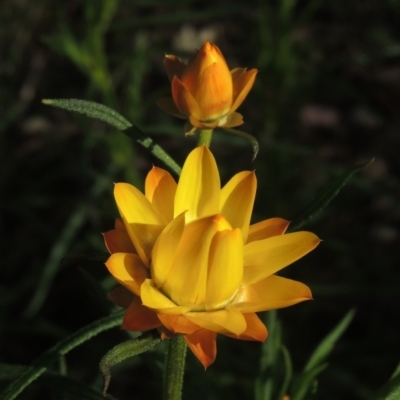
(326, 99)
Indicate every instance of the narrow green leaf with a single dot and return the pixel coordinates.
(268, 375)
(125, 350)
(396, 372)
(106, 114)
(92, 110)
(288, 372)
(316, 363)
(253, 141)
(40, 365)
(306, 383)
(391, 390)
(136, 134)
(324, 198)
(325, 347)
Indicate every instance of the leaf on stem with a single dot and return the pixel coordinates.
(113, 118)
(324, 198)
(125, 350)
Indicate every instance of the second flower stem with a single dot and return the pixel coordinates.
(205, 136)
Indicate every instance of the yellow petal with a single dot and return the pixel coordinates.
(186, 283)
(160, 190)
(173, 66)
(255, 329)
(142, 222)
(225, 268)
(168, 105)
(203, 344)
(139, 318)
(128, 270)
(165, 249)
(243, 81)
(237, 199)
(184, 100)
(267, 228)
(214, 92)
(263, 258)
(226, 321)
(178, 323)
(154, 299)
(271, 293)
(199, 186)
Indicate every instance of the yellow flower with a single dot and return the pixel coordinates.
(205, 91)
(189, 261)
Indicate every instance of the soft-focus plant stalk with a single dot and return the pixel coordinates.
(205, 136)
(174, 368)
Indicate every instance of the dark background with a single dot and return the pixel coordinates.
(326, 98)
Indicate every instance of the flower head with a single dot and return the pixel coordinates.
(189, 261)
(205, 91)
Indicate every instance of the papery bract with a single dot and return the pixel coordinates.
(189, 261)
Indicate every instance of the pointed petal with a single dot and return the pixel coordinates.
(267, 228)
(243, 81)
(178, 323)
(190, 263)
(231, 120)
(237, 200)
(271, 293)
(184, 100)
(203, 344)
(139, 318)
(265, 257)
(167, 104)
(142, 222)
(199, 185)
(165, 248)
(214, 92)
(226, 321)
(173, 66)
(121, 296)
(128, 270)
(255, 329)
(225, 268)
(207, 55)
(154, 299)
(118, 241)
(160, 188)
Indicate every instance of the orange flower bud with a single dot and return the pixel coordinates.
(205, 91)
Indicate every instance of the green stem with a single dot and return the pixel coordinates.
(205, 136)
(174, 368)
